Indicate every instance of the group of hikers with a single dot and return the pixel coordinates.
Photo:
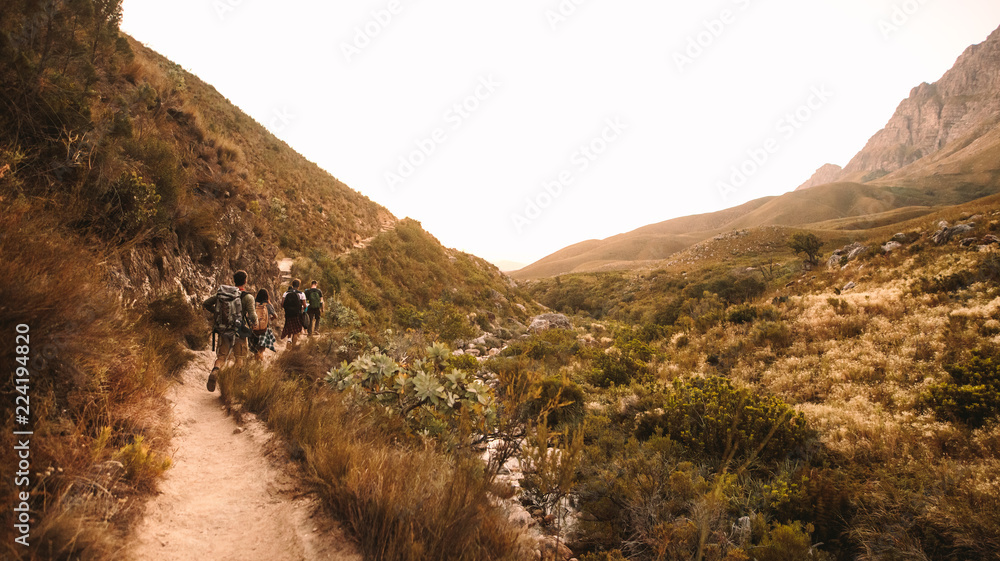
(242, 322)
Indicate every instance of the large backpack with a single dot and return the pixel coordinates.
(292, 304)
(228, 310)
(262, 319)
(315, 298)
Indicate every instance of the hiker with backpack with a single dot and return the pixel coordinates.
(232, 308)
(263, 337)
(294, 305)
(314, 297)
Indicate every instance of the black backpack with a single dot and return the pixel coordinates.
(292, 304)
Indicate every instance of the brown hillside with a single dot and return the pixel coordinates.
(940, 148)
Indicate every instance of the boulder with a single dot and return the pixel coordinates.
(552, 548)
(545, 322)
(891, 246)
(843, 255)
(855, 249)
(945, 234)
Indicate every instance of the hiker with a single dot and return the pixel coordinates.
(234, 313)
(314, 297)
(263, 337)
(294, 304)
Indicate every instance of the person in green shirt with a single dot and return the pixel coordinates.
(314, 296)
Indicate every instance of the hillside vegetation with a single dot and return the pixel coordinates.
(130, 190)
(885, 360)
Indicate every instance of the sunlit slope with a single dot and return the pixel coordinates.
(847, 206)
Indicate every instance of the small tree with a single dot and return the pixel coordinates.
(809, 244)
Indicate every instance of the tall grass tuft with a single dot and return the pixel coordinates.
(96, 386)
(403, 499)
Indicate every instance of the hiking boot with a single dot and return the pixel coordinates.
(211, 380)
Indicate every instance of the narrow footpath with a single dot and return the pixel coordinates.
(230, 494)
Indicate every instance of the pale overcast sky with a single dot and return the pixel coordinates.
(513, 129)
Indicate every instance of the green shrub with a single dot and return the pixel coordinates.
(563, 397)
(724, 425)
(973, 395)
(465, 363)
(428, 396)
(128, 205)
(142, 465)
(617, 368)
(448, 321)
(553, 345)
(787, 542)
(741, 314)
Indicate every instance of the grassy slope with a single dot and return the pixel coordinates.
(305, 205)
(848, 206)
(858, 363)
(963, 171)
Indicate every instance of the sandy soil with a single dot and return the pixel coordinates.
(230, 495)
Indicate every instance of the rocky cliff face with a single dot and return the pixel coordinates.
(196, 268)
(829, 173)
(962, 105)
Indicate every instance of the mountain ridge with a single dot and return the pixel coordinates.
(940, 148)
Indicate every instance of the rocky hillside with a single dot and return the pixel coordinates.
(826, 174)
(961, 107)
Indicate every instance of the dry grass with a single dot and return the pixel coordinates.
(96, 390)
(402, 499)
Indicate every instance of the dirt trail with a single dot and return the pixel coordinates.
(226, 498)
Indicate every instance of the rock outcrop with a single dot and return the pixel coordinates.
(829, 173)
(962, 106)
(545, 322)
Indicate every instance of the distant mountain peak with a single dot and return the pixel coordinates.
(951, 127)
(829, 173)
(935, 115)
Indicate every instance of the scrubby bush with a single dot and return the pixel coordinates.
(807, 243)
(178, 316)
(561, 398)
(972, 396)
(616, 368)
(774, 333)
(742, 314)
(430, 398)
(721, 424)
(552, 346)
